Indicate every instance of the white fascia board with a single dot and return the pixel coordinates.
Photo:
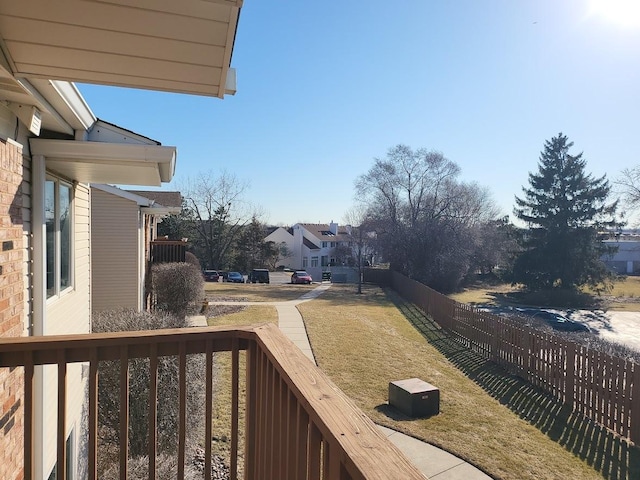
(163, 158)
(228, 75)
(63, 99)
(75, 101)
(45, 104)
(118, 192)
(100, 151)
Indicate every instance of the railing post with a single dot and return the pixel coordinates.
(124, 411)
(250, 450)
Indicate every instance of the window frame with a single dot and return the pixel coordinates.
(62, 273)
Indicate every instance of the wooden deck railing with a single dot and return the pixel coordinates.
(298, 424)
(168, 251)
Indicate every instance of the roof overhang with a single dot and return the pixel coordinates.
(161, 211)
(176, 46)
(146, 205)
(98, 162)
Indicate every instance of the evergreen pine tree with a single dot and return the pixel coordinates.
(567, 212)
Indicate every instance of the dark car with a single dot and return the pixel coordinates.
(301, 277)
(224, 275)
(235, 277)
(558, 321)
(258, 275)
(210, 275)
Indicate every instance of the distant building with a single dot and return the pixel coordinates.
(312, 245)
(627, 259)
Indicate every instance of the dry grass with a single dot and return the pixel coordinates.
(483, 294)
(256, 292)
(624, 296)
(364, 341)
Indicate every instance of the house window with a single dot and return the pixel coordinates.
(304, 262)
(325, 244)
(324, 260)
(69, 463)
(314, 261)
(333, 244)
(58, 217)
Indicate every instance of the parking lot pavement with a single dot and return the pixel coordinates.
(619, 327)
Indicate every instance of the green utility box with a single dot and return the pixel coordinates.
(414, 397)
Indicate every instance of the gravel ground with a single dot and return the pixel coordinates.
(219, 470)
(220, 310)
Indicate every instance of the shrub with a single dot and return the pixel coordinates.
(177, 287)
(191, 259)
(168, 388)
(138, 469)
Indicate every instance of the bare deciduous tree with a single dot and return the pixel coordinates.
(219, 212)
(627, 185)
(361, 235)
(423, 214)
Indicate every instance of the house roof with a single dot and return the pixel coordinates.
(148, 205)
(309, 244)
(323, 232)
(168, 199)
(165, 45)
(103, 131)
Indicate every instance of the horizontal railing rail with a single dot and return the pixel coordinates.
(298, 424)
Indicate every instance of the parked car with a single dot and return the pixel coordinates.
(558, 321)
(224, 275)
(258, 275)
(301, 277)
(235, 277)
(210, 275)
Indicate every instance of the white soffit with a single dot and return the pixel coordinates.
(97, 162)
(177, 46)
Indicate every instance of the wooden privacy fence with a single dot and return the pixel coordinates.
(601, 387)
(298, 424)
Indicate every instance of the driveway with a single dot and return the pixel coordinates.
(614, 326)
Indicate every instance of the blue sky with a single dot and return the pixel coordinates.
(325, 87)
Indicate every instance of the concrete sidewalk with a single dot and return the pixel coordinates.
(433, 462)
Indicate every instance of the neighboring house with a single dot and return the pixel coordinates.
(123, 225)
(626, 260)
(313, 246)
(52, 147)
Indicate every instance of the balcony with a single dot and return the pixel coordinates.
(298, 424)
(168, 251)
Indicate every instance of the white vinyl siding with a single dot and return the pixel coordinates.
(115, 237)
(70, 313)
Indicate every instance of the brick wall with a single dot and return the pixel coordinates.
(11, 309)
